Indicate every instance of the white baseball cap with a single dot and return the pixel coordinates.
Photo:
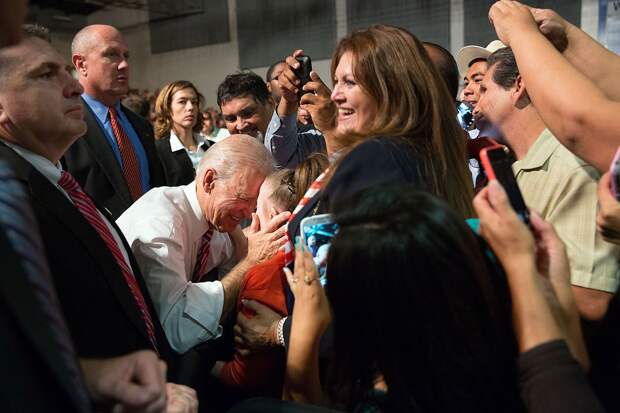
(470, 53)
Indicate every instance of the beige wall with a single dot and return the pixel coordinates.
(204, 66)
(207, 66)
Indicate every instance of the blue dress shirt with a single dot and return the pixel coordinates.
(101, 113)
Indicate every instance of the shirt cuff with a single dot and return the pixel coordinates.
(205, 302)
(602, 282)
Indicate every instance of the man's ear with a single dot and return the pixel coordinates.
(80, 64)
(519, 93)
(208, 180)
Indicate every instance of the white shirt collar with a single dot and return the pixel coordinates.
(176, 145)
(43, 165)
(201, 221)
(175, 142)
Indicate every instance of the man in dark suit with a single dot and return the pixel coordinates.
(115, 161)
(40, 369)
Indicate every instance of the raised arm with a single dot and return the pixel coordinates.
(578, 113)
(590, 57)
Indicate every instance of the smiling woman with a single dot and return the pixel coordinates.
(177, 125)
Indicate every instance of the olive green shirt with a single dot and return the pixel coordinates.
(563, 190)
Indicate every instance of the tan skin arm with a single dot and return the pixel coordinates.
(571, 105)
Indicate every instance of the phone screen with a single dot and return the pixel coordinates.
(317, 234)
(501, 168)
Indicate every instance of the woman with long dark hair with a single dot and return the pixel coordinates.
(419, 322)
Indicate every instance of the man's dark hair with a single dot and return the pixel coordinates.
(448, 69)
(28, 31)
(271, 69)
(506, 69)
(242, 84)
(38, 31)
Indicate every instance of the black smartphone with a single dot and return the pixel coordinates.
(303, 73)
(497, 164)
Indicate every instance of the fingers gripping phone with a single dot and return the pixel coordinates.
(497, 164)
(303, 74)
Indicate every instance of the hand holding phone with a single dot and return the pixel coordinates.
(303, 73)
(497, 164)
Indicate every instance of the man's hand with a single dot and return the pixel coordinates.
(135, 382)
(510, 17)
(181, 399)
(257, 332)
(319, 104)
(553, 26)
(288, 81)
(263, 243)
(608, 219)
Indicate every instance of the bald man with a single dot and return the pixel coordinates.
(115, 161)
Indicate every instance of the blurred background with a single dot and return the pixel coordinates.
(204, 40)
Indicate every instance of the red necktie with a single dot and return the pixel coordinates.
(203, 256)
(85, 205)
(131, 168)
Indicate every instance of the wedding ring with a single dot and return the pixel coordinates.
(308, 280)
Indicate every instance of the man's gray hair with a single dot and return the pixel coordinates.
(235, 152)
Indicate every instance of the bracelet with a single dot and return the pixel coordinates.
(280, 332)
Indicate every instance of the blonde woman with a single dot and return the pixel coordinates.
(178, 122)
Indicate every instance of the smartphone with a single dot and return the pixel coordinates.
(614, 171)
(317, 233)
(303, 73)
(497, 164)
(465, 115)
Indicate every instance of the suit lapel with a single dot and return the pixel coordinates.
(104, 155)
(17, 293)
(51, 201)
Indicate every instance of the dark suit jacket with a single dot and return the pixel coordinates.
(178, 168)
(100, 310)
(92, 163)
(34, 378)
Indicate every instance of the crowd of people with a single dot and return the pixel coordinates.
(157, 256)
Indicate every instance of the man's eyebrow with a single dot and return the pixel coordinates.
(43, 66)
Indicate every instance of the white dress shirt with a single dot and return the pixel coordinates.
(195, 157)
(164, 229)
(53, 173)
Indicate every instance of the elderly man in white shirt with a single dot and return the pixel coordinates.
(180, 234)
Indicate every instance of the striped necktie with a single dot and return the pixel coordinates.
(203, 256)
(131, 167)
(85, 205)
(18, 223)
